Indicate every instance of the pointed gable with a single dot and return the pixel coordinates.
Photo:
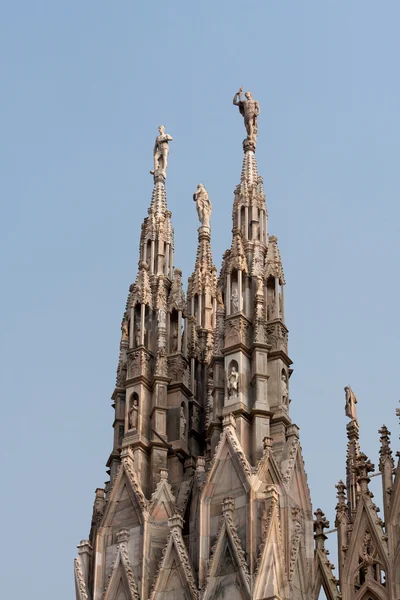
(121, 582)
(126, 506)
(174, 578)
(228, 573)
(271, 578)
(162, 502)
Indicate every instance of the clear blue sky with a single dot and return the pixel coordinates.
(84, 87)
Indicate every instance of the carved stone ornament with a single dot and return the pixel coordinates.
(233, 382)
(249, 109)
(203, 205)
(160, 152)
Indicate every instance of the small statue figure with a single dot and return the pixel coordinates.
(133, 414)
(196, 418)
(124, 328)
(284, 388)
(162, 318)
(182, 423)
(175, 340)
(160, 151)
(351, 401)
(271, 311)
(250, 110)
(138, 335)
(203, 205)
(235, 301)
(233, 382)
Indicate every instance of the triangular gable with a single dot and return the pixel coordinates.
(365, 519)
(395, 497)
(271, 580)
(121, 582)
(297, 483)
(267, 471)
(162, 501)
(228, 448)
(175, 572)
(126, 485)
(80, 585)
(323, 577)
(227, 559)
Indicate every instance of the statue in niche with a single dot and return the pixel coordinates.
(196, 417)
(175, 339)
(125, 333)
(249, 109)
(271, 310)
(351, 401)
(182, 423)
(235, 301)
(138, 335)
(160, 151)
(284, 389)
(233, 382)
(203, 205)
(258, 261)
(133, 414)
(162, 318)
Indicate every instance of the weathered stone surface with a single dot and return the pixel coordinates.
(208, 495)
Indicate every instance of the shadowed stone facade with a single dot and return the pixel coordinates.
(208, 496)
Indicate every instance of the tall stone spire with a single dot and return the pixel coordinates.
(202, 305)
(208, 495)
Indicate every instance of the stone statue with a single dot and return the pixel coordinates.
(133, 415)
(138, 335)
(233, 382)
(235, 301)
(182, 423)
(175, 339)
(271, 310)
(203, 205)
(162, 318)
(196, 418)
(250, 110)
(284, 389)
(160, 151)
(125, 333)
(351, 401)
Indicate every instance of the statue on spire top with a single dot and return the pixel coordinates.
(160, 152)
(203, 205)
(249, 109)
(351, 401)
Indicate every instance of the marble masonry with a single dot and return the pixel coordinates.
(207, 495)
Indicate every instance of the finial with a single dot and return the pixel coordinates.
(350, 406)
(385, 451)
(341, 505)
(160, 153)
(249, 109)
(203, 205)
(363, 467)
(228, 505)
(320, 523)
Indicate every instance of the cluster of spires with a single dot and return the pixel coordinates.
(212, 371)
